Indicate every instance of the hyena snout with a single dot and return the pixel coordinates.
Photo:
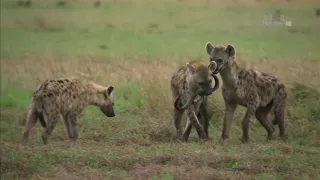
(206, 88)
(108, 111)
(206, 91)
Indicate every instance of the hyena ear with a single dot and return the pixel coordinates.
(191, 68)
(230, 50)
(212, 66)
(209, 48)
(109, 90)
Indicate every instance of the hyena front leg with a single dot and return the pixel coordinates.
(74, 126)
(194, 121)
(229, 112)
(66, 120)
(203, 115)
(177, 122)
(187, 130)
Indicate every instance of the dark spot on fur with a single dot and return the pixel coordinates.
(44, 86)
(254, 75)
(60, 81)
(280, 87)
(57, 93)
(243, 74)
(65, 90)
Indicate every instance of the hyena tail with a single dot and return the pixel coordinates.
(37, 110)
(41, 118)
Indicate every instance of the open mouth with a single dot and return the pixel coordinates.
(217, 71)
(205, 93)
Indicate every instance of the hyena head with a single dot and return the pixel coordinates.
(221, 55)
(106, 106)
(199, 82)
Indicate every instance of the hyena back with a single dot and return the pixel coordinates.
(257, 91)
(190, 85)
(66, 98)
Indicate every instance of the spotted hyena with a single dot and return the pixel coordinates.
(190, 85)
(66, 98)
(257, 91)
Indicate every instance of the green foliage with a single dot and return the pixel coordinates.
(306, 102)
(14, 96)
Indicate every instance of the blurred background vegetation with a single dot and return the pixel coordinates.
(136, 45)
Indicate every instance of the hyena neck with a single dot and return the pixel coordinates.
(95, 95)
(94, 99)
(229, 74)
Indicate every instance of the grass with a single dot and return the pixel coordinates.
(164, 30)
(136, 46)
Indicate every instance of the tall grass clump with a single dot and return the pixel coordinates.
(304, 113)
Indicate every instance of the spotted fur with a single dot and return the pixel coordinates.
(257, 91)
(190, 85)
(66, 98)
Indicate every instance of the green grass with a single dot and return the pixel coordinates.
(153, 30)
(136, 47)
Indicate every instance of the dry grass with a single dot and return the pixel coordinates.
(153, 78)
(139, 142)
(150, 73)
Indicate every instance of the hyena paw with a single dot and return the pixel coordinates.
(244, 140)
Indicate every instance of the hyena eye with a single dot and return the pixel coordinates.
(113, 104)
(219, 60)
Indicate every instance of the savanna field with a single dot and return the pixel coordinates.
(136, 46)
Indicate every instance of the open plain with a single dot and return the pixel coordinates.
(136, 45)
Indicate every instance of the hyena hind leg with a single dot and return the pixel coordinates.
(279, 110)
(262, 116)
(279, 119)
(31, 122)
